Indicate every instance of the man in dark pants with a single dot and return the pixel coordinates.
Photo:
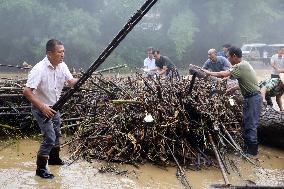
(164, 66)
(247, 80)
(44, 86)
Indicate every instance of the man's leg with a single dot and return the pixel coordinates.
(47, 144)
(54, 158)
(268, 100)
(252, 110)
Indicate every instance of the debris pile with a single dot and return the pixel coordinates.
(136, 119)
(15, 111)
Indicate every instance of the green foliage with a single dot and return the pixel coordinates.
(219, 16)
(182, 29)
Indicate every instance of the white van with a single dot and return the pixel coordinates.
(254, 50)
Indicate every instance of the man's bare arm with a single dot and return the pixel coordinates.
(218, 74)
(263, 91)
(72, 82)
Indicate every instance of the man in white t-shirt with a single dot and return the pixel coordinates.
(277, 63)
(43, 88)
(149, 63)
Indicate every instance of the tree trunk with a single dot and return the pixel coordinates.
(271, 128)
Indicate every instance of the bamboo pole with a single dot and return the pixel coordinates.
(221, 165)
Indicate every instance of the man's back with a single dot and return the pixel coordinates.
(246, 77)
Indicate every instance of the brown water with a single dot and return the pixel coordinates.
(17, 170)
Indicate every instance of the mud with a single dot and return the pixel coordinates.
(17, 170)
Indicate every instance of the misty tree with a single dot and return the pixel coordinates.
(26, 25)
(254, 22)
(184, 30)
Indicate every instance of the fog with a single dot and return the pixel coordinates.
(183, 30)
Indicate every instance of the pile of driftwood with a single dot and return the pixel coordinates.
(137, 119)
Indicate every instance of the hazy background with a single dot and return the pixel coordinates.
(181, 29)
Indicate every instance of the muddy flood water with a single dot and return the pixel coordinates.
(17, 170)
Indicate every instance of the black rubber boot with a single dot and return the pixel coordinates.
(54, 158)
(251, 149)
(41, 168)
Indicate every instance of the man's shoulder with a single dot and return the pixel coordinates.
(275, 56)
(165, 58)
(208, 61)
(222, 59)
(221, 53)
(243, 63)
(62, 65)
(40, 65)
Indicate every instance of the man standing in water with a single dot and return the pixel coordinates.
(44, 86)
(246, 76)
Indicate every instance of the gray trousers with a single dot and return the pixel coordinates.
(50, 131)
(251, 115)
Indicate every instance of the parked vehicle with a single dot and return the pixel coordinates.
(255, 50)
(260, 50)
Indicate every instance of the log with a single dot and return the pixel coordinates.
(271, 127)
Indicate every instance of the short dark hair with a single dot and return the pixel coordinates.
(235, 51)
(156, 51)
(51, 44)
(150, 49)
(227, 45)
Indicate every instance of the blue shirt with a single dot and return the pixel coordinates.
(221, 53)
(222, 64)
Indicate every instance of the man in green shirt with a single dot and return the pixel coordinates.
(273, 88)
(247, 80)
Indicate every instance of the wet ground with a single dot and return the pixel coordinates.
(17, 170)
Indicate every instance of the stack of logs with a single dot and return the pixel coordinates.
(15, 111)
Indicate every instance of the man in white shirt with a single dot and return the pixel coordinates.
(43, 88)
(277, 63)
(149, 63)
